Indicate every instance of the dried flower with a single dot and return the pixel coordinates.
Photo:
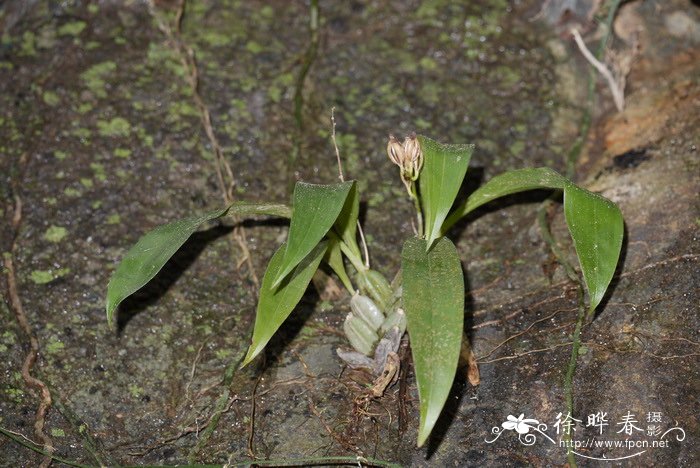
(395, 151)
(408, 156)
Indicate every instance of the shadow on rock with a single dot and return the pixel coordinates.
(168, 275)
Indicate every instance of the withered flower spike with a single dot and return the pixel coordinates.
(414, 155)
(395, 151)
(411, 147)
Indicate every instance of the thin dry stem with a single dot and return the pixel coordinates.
(614, 84)
(224, 173)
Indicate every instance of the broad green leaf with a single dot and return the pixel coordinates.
(507, 184)
(433, 298)
(276, 303)
(316, 207)
(346, 224)
(597, 228)
(444, 168)
(334, 258)
(595, 223)
(145, 259)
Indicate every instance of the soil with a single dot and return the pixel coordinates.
(102, 140)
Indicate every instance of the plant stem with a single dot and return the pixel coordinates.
(413, 193)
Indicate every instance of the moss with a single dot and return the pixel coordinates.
(15, 394)
(55, 432)
(114, 219)
(28, 44)
(82, 133)
(60, 155)
(122, 152)
(87, 183)
(428, 63)
(54, 346)
(55, 234)
(72, 192)
(46, 276)
(94, 77)
(50, 98)
(8, 338)
(84, 108)
(517, 148)
(254, 47)
(99, 170)
(117, 127)
(73, 28)
(214, 38)
(135, 391)
(223, 354)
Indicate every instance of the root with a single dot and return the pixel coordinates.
(31, 357)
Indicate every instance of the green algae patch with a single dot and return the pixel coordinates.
(122, 153)
(55, 234)
(117, 127)
(99, 170)
(74, 28)
(94, 77)
(50, 98)
(114, 219)
(28, 44)
(46, 276)
(72, 192)
(54, 346)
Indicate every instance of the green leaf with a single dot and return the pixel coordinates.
(276, 303)
(346, 224)
(145, 259)
(265, 209)
(507, 184)
(334, 258)
(316, 207)
(597, 228)
(595, 223)
(444, 168)
(433, 298)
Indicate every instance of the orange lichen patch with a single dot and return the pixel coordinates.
(652, 110)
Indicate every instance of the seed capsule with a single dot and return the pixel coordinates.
(364, 308)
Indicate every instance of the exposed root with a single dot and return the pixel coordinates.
(512, 337)
(616, 86)
(33, 354)
(334, 435)
(525, 353)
